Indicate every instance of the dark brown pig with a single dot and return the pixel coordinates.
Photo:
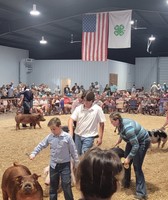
(28, 119)
(19, 184)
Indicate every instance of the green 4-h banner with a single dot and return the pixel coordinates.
(120, 29)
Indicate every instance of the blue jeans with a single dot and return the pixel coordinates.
(83, 143)
(61, 170)
(137, 164)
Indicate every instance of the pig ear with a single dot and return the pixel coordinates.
(18, 179)
(35, 176)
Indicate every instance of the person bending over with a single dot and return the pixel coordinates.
(137, 142)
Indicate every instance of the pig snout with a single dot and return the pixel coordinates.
(27, 188)
(42, 118)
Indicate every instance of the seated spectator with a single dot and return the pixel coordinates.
(10, 91)
(92, 87)
(77, 101)
(82, 89)
(144, 105)
(66, 90)
(97, 88)
(152, 106)
(2, 107)
(99, 174)
(107, 89)
(133, 89)
(161, 110)
(4, 92)
(113, 88)
(132, 104)
(57, 90)
(120, 104)
(5, 105)
(164, 88)
(154, 88)
(62, 110)
(98, 100)
(56, 105)
(67, 105)
(75, 89)
(109, 105)
(44, 104)
(36, 106)
(159, 90)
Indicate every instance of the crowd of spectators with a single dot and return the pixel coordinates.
(110, 99)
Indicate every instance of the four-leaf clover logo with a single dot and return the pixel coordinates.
(119, 30)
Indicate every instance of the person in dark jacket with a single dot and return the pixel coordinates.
(27, 101)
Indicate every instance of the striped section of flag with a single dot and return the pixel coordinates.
(95, 37)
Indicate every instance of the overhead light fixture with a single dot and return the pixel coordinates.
(132, 22)
(34, 12)
(43, 41)
(152, 38)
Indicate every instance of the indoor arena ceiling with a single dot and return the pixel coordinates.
(59, 19)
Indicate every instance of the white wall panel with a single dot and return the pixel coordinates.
(9, 64)
(163, 70)
(126, 74)
(146, 72)
(52, 71)
(143, 73)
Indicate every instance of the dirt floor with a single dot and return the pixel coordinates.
(14, 145)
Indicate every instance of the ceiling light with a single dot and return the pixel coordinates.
(43, 41)
(152, 38)
(34, 12)
(132, 22)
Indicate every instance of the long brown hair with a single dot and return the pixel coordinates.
(99, 173)
(116, 116)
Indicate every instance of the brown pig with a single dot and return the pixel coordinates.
(28, 119)
(19, 184)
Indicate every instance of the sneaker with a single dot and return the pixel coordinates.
(140, 197)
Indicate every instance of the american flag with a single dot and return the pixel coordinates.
(95, 37)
